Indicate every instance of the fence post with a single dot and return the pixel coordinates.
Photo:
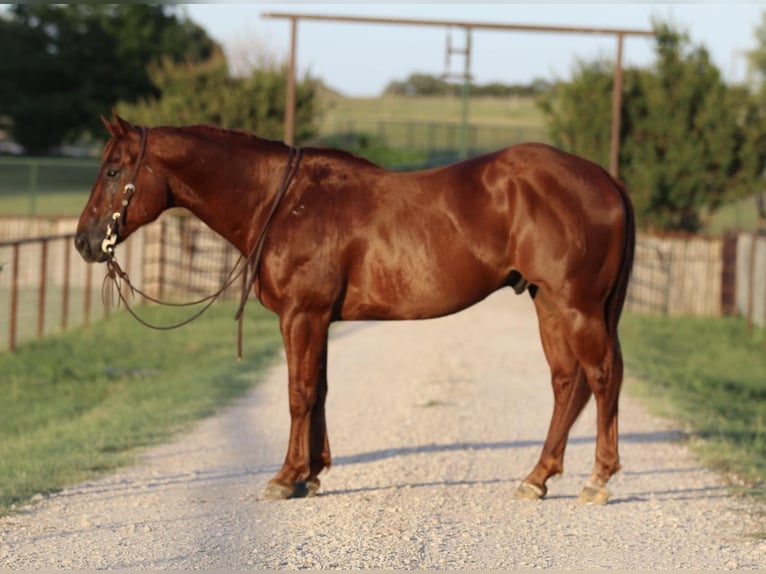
(88, 294)
(33, 180)
(729, 274)
(65, 286)
(42, 288)
(751, 285)
(14, 298)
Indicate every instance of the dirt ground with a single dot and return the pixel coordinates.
(432, 426)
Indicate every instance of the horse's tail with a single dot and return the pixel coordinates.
(616, 298)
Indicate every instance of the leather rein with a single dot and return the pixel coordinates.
(246, 268)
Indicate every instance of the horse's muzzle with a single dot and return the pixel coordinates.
(89, 246)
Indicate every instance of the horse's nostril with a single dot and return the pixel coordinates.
(81, 244)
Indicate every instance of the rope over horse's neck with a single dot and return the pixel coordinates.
(248, 271)
(254, 259)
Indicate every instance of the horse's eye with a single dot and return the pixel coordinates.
(112, 173)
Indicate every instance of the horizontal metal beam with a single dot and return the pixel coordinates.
(461, 24)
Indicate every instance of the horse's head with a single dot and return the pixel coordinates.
(127, 194)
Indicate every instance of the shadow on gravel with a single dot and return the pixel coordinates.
(684, 494)
(377, 455)
(218, 476)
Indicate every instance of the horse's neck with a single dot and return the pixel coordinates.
(209, 180)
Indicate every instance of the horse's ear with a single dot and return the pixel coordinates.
(121, 126)
(109, 126)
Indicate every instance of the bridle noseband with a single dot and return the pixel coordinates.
(113, 229)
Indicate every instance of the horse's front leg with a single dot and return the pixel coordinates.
(308, 452)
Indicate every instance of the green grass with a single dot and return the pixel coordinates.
(79, 404)
(44, 203)
(739, 215)
(27, 311)
(710, 374)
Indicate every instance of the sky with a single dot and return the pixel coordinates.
(360, 60)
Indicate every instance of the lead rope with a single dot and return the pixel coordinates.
(254, 260)
(118, 276)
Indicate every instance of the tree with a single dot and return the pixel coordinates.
(756, 115)
(757, 57)
(428, 85)
(579, 112)
(63, 65)
(206, 92)
(689, 141)
(422, 85)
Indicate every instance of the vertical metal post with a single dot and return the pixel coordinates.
(163, 240)
(88, 294)
(33, 182)
(42, 288)
(65, 286)
(291, 88)
(751, 283)
(614, 146)
(465, 88)
(14, 298)
(465, 93)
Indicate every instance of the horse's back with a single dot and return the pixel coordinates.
(409, 245)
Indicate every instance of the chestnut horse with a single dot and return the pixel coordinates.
(330, 236)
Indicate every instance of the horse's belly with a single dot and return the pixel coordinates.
(390, 293)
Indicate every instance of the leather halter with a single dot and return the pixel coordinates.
(113, 229)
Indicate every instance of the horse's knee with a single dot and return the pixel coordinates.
(303, 399)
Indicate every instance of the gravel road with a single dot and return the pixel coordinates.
(432, 425)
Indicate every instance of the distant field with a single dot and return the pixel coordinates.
(496, 112)
(44, 203)
(740, 215)
(432, 123)
(45, 186)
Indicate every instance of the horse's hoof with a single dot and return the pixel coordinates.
(529, 491)
(593, 494)
(306, 489)
(312, 486)
(276, 491)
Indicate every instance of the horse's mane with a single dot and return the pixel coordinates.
(218, 130)
(215, 130)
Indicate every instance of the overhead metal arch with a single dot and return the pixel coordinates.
(618, 33)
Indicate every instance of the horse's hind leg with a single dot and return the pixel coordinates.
(599, 354)
(571, 393)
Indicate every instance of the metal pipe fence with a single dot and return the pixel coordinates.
(438, 139)
(25, 181)
(46, 287)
